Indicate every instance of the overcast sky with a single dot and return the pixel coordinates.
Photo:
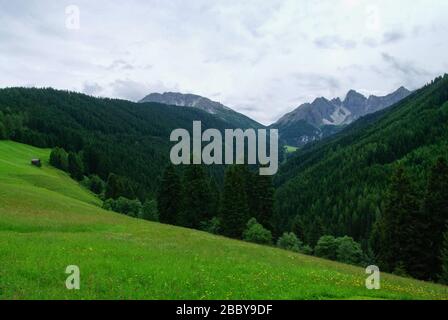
(260, 57)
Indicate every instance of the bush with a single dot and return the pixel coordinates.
(326, 248)
(289, 241)
(212, 226)
(256, 233)
(306, 250)
(123, 205)
(149, 211)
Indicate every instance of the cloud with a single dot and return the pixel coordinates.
(263, 57)
(92, 88)
(334, 42)
(406, 68)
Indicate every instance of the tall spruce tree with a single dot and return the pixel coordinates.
(265, 201)
(235, 210)
(401, 228)
(169, 196)
(197, 206)
(435, 208)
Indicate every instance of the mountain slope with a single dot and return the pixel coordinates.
(338, 186)
(116, 136)
(238, 120)
(312, 121)
(48, 222)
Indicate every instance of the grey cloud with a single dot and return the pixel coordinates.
(406, 68)
(129, 89)
(92, 88)
(392, 37)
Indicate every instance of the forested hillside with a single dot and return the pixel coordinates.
(343, 185)
(128, 139)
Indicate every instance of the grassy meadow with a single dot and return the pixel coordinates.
(47, 222)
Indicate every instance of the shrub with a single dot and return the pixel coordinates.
(289, 241)
(256, 233)
(149, 211)
(212, 226)
(306, 250)
(326, 248)
(349, 251)
(123, 205)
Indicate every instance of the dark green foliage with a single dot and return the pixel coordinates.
(96, 185)
(349, 251)
(59, 158)
(75, 166)
(125, 206)
(3, 135)
(117, 186)
(402, 229)
(235, 210)
(212, 226)
(435, 208)
(256, 233)
(338, 186)
(149, 211)
(169, 197)
(197, 205)
(443, 278)
(326, 247)
(263, 198)
(289, 241)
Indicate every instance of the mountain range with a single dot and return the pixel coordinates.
(309, 122)
(323, 117)
(212, 107)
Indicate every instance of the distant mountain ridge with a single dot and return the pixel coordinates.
(313, 121)
(205, 104)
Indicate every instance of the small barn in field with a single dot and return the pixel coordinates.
(36, 162)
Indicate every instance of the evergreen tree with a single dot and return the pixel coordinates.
(402, 229)
(435, 208)
(197, 198)
(149, 211)
(75, 166)
(59, 158)
(264, 200)
(169, 196)
(235, 210)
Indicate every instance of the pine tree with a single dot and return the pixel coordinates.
(435, 208)
(234, 211)
(401, 228)
(75, 166)
(197, 198)
(59, 158)
(264, 201)
(169, 196)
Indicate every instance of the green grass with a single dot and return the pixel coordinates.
(47, 222)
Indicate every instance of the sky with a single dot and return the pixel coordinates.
(260, 57)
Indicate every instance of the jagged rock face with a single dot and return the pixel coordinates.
(322, 113)
(238, 120)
